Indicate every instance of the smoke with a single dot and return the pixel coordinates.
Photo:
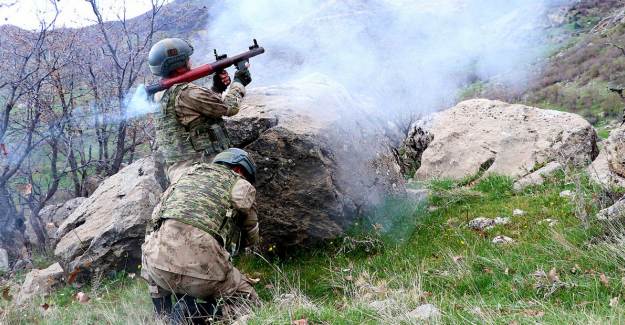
(138, 103)
(403, 55)
(397, 58)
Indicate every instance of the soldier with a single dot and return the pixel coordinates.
(190, 127)
(208, 213)
(199, 216)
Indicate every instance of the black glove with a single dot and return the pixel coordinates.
(218, 85)
(243, 76)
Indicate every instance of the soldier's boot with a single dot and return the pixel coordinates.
(189, 310)
(162, 306)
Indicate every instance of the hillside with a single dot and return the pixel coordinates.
(477, 211)
(583, 61)
(549, 274)
(577, 78)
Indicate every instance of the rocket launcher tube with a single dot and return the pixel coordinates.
(205, 70)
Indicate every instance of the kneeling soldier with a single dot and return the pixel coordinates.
(205, 216)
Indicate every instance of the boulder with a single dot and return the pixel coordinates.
(492, 137)
(106, 231)
(40, 282)
(321, 163)
(615, 151)
(538, 177)
(4, 260)
(615, 212)
(601, 173)
(92, 182)
(52, 216)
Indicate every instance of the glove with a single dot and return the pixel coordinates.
(243, 76)
(221, 81)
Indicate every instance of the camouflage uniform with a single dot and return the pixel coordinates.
(206, 210)
(190, 127)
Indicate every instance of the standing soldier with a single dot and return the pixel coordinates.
(206, 214)
(190, 127)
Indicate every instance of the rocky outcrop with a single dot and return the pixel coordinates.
(40, 282)
(320, 162)
(106, 231)
(495, 137)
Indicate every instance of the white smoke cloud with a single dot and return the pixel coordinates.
(403, 55)
(138, 103)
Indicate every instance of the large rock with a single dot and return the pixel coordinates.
(496, 137)
(615, 212)
(615, 151)
(320, 163)
(601, 173)
(52, 216)
(106, 231)
(40, 282)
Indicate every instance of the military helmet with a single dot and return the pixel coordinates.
(168, 55)
(237, 157)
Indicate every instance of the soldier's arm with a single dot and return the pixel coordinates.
(244, 200)
(209, 103)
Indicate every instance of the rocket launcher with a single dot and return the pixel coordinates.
(223, 62)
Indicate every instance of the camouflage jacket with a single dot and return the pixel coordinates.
(214, 199)
(190, 124)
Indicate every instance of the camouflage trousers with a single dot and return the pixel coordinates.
(210, 275)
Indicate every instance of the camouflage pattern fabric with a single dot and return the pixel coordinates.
(233, 98)
(202, 137)
(201, 197)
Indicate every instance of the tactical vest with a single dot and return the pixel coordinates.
(202, 198)
(204, 137)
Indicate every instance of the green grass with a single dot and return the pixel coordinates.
(428, 255)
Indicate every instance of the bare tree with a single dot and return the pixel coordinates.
(124, 46)
(22, 78)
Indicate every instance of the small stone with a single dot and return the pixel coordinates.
(549, 222)
(82, 297)
(502, 220)
(477, 311)
(381, 304)
(518, 212)
(502, 240)
(481, 224)
(566, 193)
(423, 313)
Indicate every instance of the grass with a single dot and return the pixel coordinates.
(421, 254)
